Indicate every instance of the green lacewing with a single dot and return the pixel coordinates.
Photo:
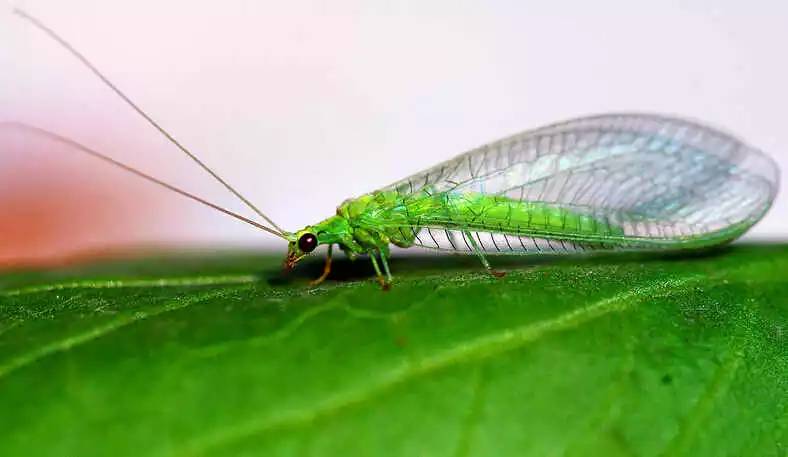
(605, 182)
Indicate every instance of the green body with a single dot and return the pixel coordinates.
(371, 223)
(374, 221)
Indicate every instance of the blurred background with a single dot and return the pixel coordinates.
(303, 104)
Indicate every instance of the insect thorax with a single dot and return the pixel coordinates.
(379, 218)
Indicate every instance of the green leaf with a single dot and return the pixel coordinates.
(217, 355)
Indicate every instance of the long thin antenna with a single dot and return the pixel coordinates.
(98, 155)
(38, 24)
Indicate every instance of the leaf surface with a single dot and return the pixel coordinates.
(216, 355)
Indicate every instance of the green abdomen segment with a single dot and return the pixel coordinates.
(500, 225)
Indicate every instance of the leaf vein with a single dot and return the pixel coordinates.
(475, 408)
(124, 283)
(693, 424)
(281, 333)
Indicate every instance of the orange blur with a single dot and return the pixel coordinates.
(57, 207)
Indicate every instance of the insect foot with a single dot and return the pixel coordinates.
(316, 282)
(384, 284)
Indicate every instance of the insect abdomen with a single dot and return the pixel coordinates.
(402, 219)
(502, 225)
(501, 214)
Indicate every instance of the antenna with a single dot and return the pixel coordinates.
(98, 155)
(51, 33)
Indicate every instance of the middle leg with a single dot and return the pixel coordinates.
(381, 279)
(383, 259)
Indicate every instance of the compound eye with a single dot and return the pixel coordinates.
(307, 242)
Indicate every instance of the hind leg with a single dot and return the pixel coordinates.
(478, 252)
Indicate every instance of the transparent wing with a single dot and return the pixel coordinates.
(662, 180)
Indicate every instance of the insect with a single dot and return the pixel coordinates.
(604, 182)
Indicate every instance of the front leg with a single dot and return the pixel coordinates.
(326, 268)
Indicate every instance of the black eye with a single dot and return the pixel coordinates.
(307, 242)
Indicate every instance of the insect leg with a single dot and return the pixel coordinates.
(385, 265)
(381, 279)
(475, 247)
(326, 268)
